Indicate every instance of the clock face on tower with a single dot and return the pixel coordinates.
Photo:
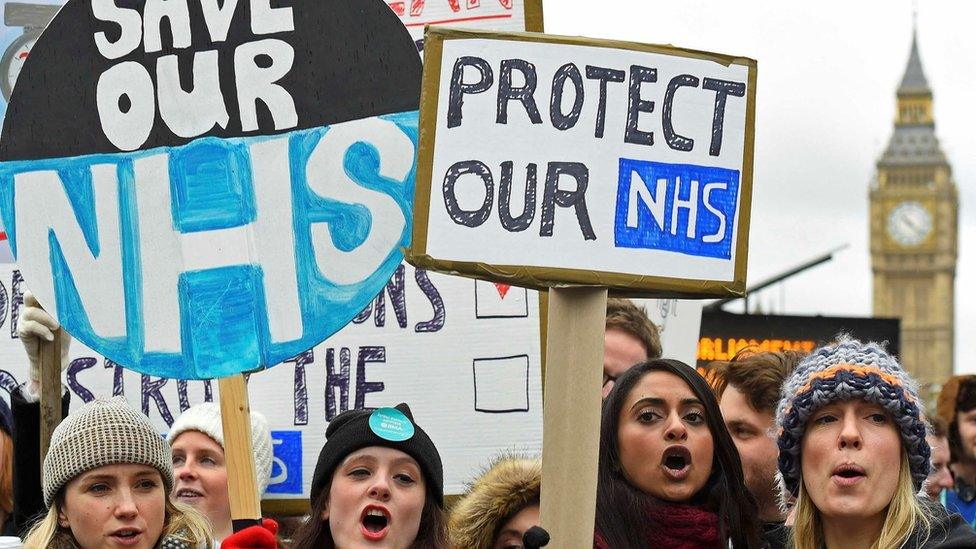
(909, 224)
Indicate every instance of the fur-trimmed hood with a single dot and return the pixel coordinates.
(508, 486)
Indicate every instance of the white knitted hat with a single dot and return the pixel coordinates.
(103, 432)
(205, 418)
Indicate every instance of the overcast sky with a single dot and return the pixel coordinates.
(828, 71)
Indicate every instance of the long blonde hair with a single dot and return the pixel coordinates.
(903, 516)
(182, 523)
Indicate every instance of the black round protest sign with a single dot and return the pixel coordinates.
(121, 75)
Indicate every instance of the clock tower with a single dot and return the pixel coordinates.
(914, 232)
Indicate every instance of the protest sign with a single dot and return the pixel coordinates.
(462, 353)
(502, 15)
(197, 233)
(582, 165)
(549, 161)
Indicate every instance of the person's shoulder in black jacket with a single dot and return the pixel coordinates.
(946, 531)
(28, 499)
(774, 535)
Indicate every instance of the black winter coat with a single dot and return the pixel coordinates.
(28, 496)
(948, 532)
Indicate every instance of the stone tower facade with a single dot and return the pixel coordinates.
(914, 233)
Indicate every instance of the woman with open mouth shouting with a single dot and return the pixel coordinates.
(853, 453)
(378, 483)
(107, 476)
(669, 473)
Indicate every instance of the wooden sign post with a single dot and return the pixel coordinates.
(50, 379)
(200, 233)
(235, 414)
(571, 417)
(582, 166)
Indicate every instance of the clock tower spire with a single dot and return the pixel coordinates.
(914, 208)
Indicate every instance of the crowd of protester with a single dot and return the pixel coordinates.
(834, 449)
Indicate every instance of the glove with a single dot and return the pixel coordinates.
(254, 537)
(36, 325)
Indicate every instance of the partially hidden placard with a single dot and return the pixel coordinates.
(197, 189)
(497, 15)
(553, 161)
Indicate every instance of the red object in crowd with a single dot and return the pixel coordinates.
(254, 537)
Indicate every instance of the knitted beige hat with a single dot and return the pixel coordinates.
(205, 418)
(103, 432)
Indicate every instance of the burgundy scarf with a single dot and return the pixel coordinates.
(677, 526)
(683, 527)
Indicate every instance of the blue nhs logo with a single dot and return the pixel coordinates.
(676, 207)
(286, 465)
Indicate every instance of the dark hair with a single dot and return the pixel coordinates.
(940, 429)
(314, 533)
(621, 509)
(759, 376)
(958, 395)
(623, 315)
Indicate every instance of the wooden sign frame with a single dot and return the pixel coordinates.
(546, 277)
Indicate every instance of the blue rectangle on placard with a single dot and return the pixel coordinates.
(286, 466)
(679, 208)
(211, 186)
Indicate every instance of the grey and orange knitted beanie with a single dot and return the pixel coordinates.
(848, 370)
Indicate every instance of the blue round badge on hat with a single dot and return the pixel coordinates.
(391, 424)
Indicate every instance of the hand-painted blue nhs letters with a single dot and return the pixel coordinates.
(62, 193)
(266, 273)
(676, 207)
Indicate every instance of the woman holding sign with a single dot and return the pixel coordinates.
(669, 472)
(853, 453)
(379, 479)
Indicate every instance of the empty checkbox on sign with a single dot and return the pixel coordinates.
(501, 385)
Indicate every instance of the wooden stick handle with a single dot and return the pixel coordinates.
(571, 414)
(50, 381)
(242, 486)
